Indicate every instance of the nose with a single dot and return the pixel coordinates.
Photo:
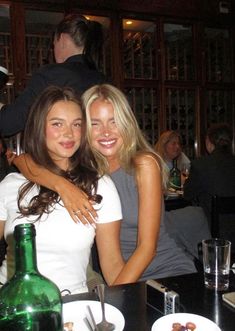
(106, 130)
(68, 132)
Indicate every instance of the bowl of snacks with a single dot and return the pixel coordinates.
(184, 322)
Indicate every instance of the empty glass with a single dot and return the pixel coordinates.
(216, 263)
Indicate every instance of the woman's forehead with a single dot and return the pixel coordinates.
(174, 139)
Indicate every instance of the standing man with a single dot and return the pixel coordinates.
(77, 50)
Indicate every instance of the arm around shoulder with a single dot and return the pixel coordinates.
(73, 198)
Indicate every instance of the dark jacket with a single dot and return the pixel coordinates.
(74, 73)
(213, 174)
(3, 166)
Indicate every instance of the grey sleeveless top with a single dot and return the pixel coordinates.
(169, 260)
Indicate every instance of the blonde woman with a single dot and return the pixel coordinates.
(169, 146)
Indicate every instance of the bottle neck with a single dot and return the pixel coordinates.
(174, 163)
(25, 252)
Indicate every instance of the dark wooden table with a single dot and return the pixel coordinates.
(194, 298)
(172, 203)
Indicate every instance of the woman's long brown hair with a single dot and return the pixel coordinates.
(82, 170)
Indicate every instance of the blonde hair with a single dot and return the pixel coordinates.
(133, 139)
(165, 137)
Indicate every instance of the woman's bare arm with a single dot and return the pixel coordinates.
(148, 177)
(108, 245)
(73, 198)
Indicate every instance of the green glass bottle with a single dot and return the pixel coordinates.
(175, 177)
(29, 301)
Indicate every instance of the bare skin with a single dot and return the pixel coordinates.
(65, 189)
(106, 138)
(147, 173)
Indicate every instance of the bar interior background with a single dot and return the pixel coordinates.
(175, 60)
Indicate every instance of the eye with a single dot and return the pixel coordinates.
(78, 124)
(113, 123)
(56, 124)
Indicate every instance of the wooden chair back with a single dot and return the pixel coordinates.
(220, 206)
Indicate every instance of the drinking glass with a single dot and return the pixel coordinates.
(216, 263)
(185, 171)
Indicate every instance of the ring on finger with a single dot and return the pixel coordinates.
(77, 212)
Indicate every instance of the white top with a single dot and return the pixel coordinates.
(63, 247)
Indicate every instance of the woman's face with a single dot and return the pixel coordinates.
(63, 131)
(105, 135)
(173, 148)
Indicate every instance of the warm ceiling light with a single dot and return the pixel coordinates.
(87, 17)
(129, 22)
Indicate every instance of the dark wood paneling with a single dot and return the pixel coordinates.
(18, 46)
(181, 8)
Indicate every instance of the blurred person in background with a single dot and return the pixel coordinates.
(188, 226)
(77, 49)
(169, 147)
(214, 173)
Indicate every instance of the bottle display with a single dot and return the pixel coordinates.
(29, 301)
(175, 177)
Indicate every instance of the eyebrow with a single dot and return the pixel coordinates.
(62, 119)
(98, 120)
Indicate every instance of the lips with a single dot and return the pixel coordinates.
(68, 145)
(107, 143)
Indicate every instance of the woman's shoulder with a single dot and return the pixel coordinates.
(146, 159)
(105, 182)
(13, 177)
(11, 183)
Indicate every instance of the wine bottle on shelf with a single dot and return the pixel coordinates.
(175, 176)
(29, 301)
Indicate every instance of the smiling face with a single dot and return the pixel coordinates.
(105, 135)
(63, 131)
(173, 148)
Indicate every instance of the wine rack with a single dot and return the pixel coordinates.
(218, 58)
(180, 110)
(139, 55)
(143, 104)
(179, 52)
